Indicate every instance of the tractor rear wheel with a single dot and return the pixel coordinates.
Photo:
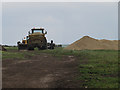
(22, 47)
(42, 48)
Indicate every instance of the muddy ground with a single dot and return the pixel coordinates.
(41, 71)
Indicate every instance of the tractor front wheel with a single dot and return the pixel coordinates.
(30, 48)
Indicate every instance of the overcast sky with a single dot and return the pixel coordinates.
(64, 22)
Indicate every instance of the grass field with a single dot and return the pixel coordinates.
(97, 68)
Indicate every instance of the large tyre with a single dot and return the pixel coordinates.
(51, 45)
(22, 47)
(30, 48)
(42, 48)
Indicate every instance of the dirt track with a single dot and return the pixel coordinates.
(41, 71)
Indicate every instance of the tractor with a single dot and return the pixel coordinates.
(36, 38)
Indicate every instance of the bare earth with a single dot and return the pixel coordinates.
(41, 71)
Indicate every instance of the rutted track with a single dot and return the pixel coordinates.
(41, 71)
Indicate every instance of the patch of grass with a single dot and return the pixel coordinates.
(101, 70)
(11, 48)
(12, 55)
(61, 51)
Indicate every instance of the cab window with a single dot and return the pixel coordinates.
(37, 31)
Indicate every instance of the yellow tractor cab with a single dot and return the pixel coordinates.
(40, 30)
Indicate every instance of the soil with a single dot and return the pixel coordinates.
(2, 48)
(89, 43)
(41, 71)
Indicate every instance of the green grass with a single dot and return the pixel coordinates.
(13, 53)
(101, 70)
(61, 51)
(98, 68)
(11, 48)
